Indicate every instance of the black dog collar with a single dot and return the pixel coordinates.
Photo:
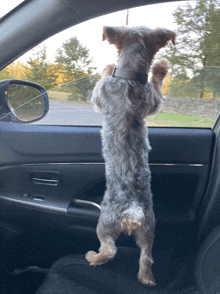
(131, 75)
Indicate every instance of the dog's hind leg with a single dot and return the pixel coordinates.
(107, 248)
(144, 240)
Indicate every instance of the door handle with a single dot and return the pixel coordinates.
(46, 178)
(84, 209)
(87, 203)
(47, 182)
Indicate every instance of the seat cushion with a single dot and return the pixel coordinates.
(73, 274)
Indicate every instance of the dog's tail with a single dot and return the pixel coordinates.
(133, 217)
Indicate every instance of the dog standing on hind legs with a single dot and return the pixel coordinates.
(125, 99)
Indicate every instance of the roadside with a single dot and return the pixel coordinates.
(79, 113)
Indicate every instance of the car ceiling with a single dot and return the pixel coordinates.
(34, 21)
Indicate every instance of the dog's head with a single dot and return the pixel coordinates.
(152, 40)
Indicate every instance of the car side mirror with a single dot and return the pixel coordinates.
(22, 101)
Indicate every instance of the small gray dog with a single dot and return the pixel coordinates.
(125, 99)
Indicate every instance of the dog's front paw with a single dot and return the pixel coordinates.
(160, 69)
(149, 281)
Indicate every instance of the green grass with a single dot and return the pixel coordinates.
(64, 97)
(58, 96)
(180, 120)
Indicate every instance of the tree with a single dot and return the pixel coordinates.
(77, 65)
(15, 70)
(198, 44)
(166, 85)
(211, 47)
(180, 85)
(75, 59)
(40, 71)
(211, 42)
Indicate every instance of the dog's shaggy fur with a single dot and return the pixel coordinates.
(127, 204)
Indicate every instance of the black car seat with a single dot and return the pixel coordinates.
(73, 274)
(208, 264)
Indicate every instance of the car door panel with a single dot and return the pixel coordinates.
(32, 143)
(44, 169)
(25, 143)
(209, 211)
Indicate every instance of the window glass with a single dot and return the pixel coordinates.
(70, 63)
(8, 5)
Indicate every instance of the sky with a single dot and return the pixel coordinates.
(8, 5)
(89, 33)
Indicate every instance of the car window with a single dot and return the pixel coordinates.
(70, 63)
(7, 6)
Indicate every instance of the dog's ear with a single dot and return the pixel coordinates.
(109, 33)
(114, 35)
(161, 37)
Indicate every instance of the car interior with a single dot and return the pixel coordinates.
(52, 180)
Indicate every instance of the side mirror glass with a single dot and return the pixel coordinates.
(24, 101)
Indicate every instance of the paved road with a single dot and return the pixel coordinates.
(71, 114)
